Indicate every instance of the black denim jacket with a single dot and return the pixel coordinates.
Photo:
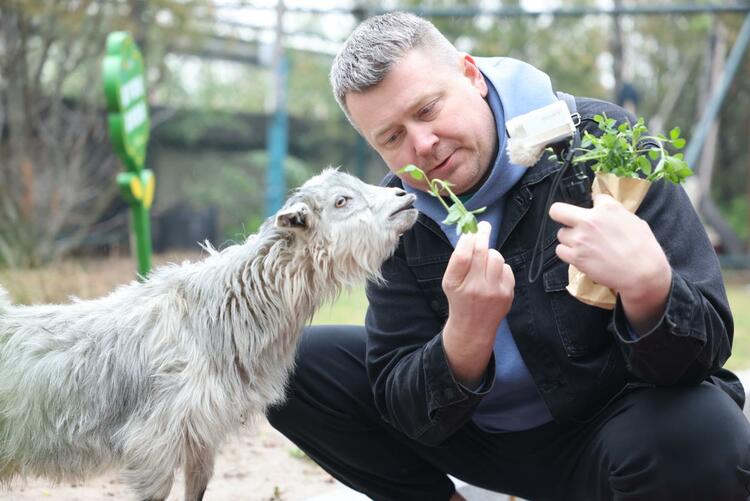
(580, 357)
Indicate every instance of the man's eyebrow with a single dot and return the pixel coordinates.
(416, 103)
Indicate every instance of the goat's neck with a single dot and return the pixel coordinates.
(274, 287)
(291, 277)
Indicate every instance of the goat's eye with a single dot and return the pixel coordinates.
(341, 202)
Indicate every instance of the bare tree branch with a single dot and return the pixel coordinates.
(57, 167)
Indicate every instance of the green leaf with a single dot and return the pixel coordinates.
(454, 215)
(644, 165)
(467, 224)
(622, 149)
(685, 172)
(636, 136)
(413, 171)
(660, 165)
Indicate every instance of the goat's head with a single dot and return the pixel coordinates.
(345, 224)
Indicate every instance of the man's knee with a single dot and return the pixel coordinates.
(688, 443)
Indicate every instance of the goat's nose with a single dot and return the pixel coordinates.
(400, 192)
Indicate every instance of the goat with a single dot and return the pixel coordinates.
(156, 375)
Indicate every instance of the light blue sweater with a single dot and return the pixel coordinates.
(515, 88)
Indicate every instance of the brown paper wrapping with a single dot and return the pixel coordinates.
(629, 192)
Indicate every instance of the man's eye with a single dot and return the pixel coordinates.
(392, 138)
(341, 202)
(427, 111)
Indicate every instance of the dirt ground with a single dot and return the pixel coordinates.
(257, 465)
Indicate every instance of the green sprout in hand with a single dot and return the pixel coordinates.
(464, 219)
(621, 151)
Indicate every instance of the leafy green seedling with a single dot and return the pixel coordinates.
(622, 151)
(464, 219)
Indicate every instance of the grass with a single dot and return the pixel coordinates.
(84, 278)
(739, 300)
(87, 278)
(349, 309)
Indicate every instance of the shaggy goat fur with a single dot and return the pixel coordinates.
(155, 376)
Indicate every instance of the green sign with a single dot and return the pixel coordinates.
(127, 108)
(125, 90)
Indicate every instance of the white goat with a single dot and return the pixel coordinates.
(157, 374)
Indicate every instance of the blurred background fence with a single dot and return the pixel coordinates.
(241, 109)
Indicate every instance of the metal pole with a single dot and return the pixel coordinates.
(698, 137)
(688, 9)
(142, 229)
(277, 133)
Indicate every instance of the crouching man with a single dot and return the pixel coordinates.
(466, 368)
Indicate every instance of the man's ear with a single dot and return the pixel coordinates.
(471, 71)
(295, 216)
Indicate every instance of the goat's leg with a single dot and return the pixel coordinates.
(199, 468)
(150, 467)
(149, 489)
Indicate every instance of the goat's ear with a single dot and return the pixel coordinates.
(295, 216)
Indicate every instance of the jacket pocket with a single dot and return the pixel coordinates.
(429, 276)
(578, 324)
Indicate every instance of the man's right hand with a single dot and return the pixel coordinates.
(479, 287)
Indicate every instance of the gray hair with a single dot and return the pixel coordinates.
(376, 45)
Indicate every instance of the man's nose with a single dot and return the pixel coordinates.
(424, 140)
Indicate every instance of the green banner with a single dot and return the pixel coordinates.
(127, 115)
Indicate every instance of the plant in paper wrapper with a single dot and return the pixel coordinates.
(621, 158)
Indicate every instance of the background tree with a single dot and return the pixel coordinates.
(56, 167)
(56, 162)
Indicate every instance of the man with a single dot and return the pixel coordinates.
(467, 368)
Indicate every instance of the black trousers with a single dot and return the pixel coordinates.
(686, 443)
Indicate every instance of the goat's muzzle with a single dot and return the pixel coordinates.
(408, 204)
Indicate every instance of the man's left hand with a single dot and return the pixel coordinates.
(616, 249)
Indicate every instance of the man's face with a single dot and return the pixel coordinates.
(432, 114)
